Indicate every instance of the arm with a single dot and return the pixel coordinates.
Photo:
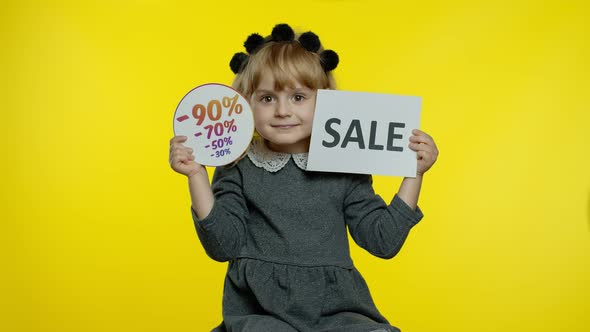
(182, 161)
(426, 153)
(409, 191)
(201, 194)
(218, 211)
(379, 228)
(220, 217)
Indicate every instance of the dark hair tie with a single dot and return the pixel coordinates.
(238, 61)
(253, 42)
(283, 33)
(329, 60)
(310, 41)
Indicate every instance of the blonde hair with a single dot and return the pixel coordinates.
(288, 62)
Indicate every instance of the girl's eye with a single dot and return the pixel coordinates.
(266, 99)
(299, 97)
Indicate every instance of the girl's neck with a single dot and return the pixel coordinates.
(299, 147)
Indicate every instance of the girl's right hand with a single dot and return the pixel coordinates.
(182, 159)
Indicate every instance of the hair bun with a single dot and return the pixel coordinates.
(253, 42)
(329, 60)
(282, 32)
(310, 41)
(237, 62)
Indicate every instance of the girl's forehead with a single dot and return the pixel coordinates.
(269, 82)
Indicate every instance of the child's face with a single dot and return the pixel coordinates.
(283, 118)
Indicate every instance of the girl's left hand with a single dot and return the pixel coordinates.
(426, 150)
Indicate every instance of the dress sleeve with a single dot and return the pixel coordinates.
(379, 228)
(222, 232)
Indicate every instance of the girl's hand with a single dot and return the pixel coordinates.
(426, 150)
(182, 158)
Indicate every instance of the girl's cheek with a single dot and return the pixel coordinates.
(258, 104)
(262, 108)
(256, 108)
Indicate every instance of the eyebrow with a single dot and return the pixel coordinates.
(296, 90)
(259, 91)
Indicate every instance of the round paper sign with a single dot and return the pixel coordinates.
(217, 121)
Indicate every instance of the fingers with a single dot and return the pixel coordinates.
(180, 158)
(422, 141)
(176, 142)
(422, 145)
(178, 139)
(426, 150)
(427, 158)
(419, 132)
(178, 152)
(181, 152)
(421, 137)
(422, 149)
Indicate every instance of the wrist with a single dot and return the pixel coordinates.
(197, 174)
(417, 177)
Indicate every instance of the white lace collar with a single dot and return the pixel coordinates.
(272, 161)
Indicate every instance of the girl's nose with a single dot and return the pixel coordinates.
(283, 109)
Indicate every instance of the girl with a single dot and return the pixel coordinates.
(283, 229)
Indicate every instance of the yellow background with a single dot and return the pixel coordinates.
(96, 230)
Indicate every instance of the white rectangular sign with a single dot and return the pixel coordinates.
(366, 133)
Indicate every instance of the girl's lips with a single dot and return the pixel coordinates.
(284, 126)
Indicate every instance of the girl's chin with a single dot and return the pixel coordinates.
(287, 146)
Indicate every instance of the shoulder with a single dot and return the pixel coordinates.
(233, 170)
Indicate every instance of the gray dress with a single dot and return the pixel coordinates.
(284, 235)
